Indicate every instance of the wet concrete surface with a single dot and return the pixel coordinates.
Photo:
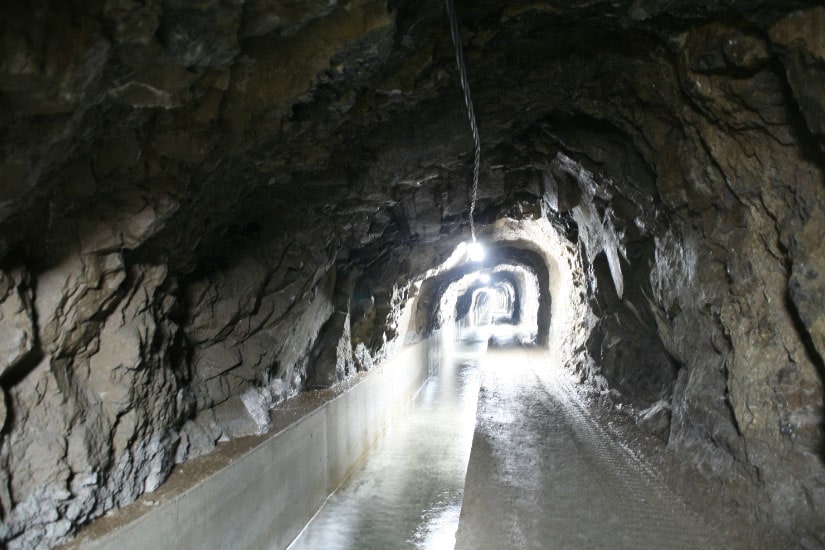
(544, 474)
(409, 490)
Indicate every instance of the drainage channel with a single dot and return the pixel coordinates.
(408, 491)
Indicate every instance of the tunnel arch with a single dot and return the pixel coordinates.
(497, 278)
(497, 253)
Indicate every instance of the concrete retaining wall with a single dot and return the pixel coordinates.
(264, 496)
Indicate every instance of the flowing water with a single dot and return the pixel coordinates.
(408, 492)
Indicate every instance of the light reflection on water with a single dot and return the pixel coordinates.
(408, 492)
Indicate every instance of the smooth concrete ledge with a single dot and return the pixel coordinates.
(260, 492)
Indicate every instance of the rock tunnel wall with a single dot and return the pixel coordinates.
(207, 208)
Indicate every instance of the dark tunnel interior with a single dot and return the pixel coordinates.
(211, 208)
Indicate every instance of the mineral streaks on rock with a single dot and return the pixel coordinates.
(208, 207)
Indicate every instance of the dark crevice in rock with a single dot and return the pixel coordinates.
(811, 350)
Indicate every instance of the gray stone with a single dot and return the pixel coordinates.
(656, 419)
(17, 332)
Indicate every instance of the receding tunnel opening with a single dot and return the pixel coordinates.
(411, 487)
(529, 258)
(499, 304)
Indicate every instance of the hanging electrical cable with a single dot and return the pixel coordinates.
(455, 31)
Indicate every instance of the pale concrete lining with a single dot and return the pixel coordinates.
(259, 492)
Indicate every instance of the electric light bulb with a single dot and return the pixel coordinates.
(475, 251)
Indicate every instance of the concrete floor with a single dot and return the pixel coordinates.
(544, 474)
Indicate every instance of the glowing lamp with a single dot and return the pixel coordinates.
(475, 251)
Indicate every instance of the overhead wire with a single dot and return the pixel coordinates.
(455, 32)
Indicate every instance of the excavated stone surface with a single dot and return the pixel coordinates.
(208, 206)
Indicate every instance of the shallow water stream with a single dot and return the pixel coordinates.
(408, 492)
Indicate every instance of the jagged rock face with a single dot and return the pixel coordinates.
(206, 207)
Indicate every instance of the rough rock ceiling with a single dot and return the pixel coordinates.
(204, 120)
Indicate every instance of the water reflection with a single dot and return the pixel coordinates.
(408, 493)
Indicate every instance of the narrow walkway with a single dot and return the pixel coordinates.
(544, 474)
(408, 492)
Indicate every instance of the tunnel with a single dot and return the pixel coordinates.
(223, 220)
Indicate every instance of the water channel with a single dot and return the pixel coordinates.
(408, 492)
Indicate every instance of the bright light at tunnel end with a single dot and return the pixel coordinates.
(475, 252)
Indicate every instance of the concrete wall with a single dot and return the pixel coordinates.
(263, 497)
